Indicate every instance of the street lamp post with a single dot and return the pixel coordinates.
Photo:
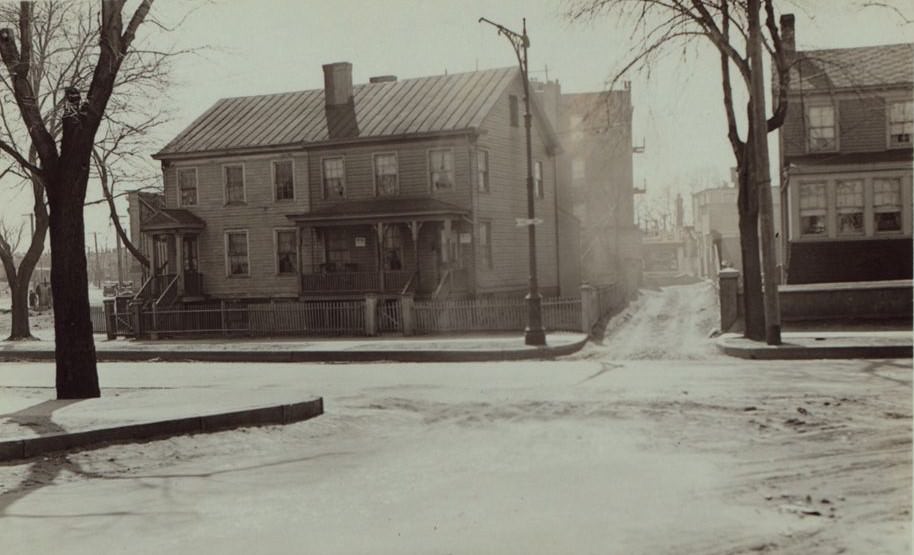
(534, 333)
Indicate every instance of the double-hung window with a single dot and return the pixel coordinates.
(286, 251)
(187, 186)
(233, 178)
(283, 180)
(813, 209)
(849, 201)
(334, 178)
(386, 180)
(441, 169)
(482, 170)
(821, 128)
(887, 204)
(236, 253)
(901, 123)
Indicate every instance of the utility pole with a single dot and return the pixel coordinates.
(120, 264)
(534, 334)
(98, 268)
(762, 176)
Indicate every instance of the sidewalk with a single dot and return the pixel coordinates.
(463, 348)
(822, 345)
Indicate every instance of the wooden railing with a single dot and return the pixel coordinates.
(169, 293)
(355, 282)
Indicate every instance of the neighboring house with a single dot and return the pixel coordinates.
(386, 187)
(141, 207)
(596, 133)
(716, 221)
(846, 160)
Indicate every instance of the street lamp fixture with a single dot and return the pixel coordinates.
(534, 333)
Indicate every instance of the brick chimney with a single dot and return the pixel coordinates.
(788, 38)
(338, 83)
(338, 101)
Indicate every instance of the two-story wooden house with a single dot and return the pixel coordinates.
(846, 161)
(392, 186)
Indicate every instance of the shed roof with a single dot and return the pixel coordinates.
(424, 105)
(166, 219)
(848, 68)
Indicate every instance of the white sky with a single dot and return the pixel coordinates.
(258, 46)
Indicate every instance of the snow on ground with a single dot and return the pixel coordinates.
(670, 323)
(632, 457)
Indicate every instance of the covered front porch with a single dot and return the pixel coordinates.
(174, 255)
(386, 246)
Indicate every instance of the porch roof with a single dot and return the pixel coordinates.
(394, 209)
(173, 219)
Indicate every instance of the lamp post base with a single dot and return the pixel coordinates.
(534, 334)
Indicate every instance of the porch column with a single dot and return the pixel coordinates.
(414, 227)
(179, 247)
(379, 227)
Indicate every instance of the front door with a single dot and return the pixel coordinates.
(192, 283)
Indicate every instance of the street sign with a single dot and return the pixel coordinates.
(521, 222)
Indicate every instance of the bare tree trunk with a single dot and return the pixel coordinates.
(747, 201)
(77, 376)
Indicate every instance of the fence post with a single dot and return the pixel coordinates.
(590, 307)
(136, 314)
(110, 319)
(371, 314)
(729, 301)
(407, 316)
(222, 315)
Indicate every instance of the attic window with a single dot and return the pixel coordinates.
(901, 123)
(514, 110)
(821, 122)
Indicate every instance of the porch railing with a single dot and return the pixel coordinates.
(394, 281)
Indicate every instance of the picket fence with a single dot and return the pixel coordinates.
(352, 318)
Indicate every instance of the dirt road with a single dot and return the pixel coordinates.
(670, 323)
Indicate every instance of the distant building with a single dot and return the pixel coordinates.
(846, 164)
(596, 160)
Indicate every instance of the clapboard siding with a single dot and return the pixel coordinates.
(260, 215)
(412, 161)
(507, 200)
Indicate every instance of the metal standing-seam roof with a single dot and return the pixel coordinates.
(443, 103)
(844, 68)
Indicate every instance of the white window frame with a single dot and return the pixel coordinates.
(899, 181)
(861, 208)
(539, 183)
(276, 232)
(244, 192)
(891, 143)
(800, 208)
(483, 179)
(809, 128)
(273, 163)
(247, 254)
(324, 192)
(453, 169)
(374, 173)
(181, 191)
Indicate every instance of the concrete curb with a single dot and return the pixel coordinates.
(25, 448)
(393, 355)
(801, 352)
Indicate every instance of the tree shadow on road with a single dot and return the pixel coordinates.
(44, 470)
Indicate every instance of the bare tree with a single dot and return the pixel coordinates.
(63, 168)
(63, 34)
(659, 25)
